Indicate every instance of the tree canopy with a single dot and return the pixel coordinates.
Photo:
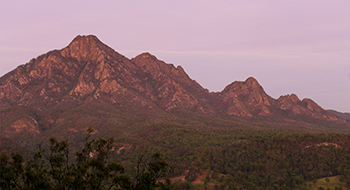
(91, 168)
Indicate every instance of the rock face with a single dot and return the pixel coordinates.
(345, 115)
(89, 71)
(246, 99)
(170, 87)
(295, 106)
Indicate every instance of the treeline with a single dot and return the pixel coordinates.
(226, 157)
(283, 161)
(250, 159)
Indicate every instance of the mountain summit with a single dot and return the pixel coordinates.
(88, 82)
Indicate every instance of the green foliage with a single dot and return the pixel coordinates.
(10, 171)
(91, 169)
(346, 175)
(148, 173)
(263, 159)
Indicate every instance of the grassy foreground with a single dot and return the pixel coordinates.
(333, 182)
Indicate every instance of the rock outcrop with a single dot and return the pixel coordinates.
(89, 71)
(170, 86)
(246, 99)
(295, 106)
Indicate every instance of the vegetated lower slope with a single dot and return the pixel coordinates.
(232, 158)
(249, 159)
(149, 106)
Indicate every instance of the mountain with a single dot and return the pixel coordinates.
(87, 69)
(87, 83)
(345, 115)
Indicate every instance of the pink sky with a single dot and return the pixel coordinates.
(289, 46)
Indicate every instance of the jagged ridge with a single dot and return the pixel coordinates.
(88, 70)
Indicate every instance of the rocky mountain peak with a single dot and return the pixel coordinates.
(246, 87)
(89, 48)
(245, 99)
(252, 82)
(89, 71)
(85, 39)
(289, 98)
(295, 106)
(147, 55)
(157, 68)
(85, 43)
(173, 87)
(294, 98)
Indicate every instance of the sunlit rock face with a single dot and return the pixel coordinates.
(89, 71)
(245, 99)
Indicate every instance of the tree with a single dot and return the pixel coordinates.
(191, 175)
(314, 181)
(206, 183)
(148, 174)
(327, 180)
(10, 170)
(52, 169)
(89, 171)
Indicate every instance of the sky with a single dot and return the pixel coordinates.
(300, 47)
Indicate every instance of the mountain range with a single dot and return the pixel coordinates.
(88, 83)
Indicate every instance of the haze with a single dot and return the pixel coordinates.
(300, 47)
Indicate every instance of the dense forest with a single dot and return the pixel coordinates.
(227, 159)
(252, 159)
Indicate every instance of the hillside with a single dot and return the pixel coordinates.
(345, 116)
(239, 137)
(88, 83)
